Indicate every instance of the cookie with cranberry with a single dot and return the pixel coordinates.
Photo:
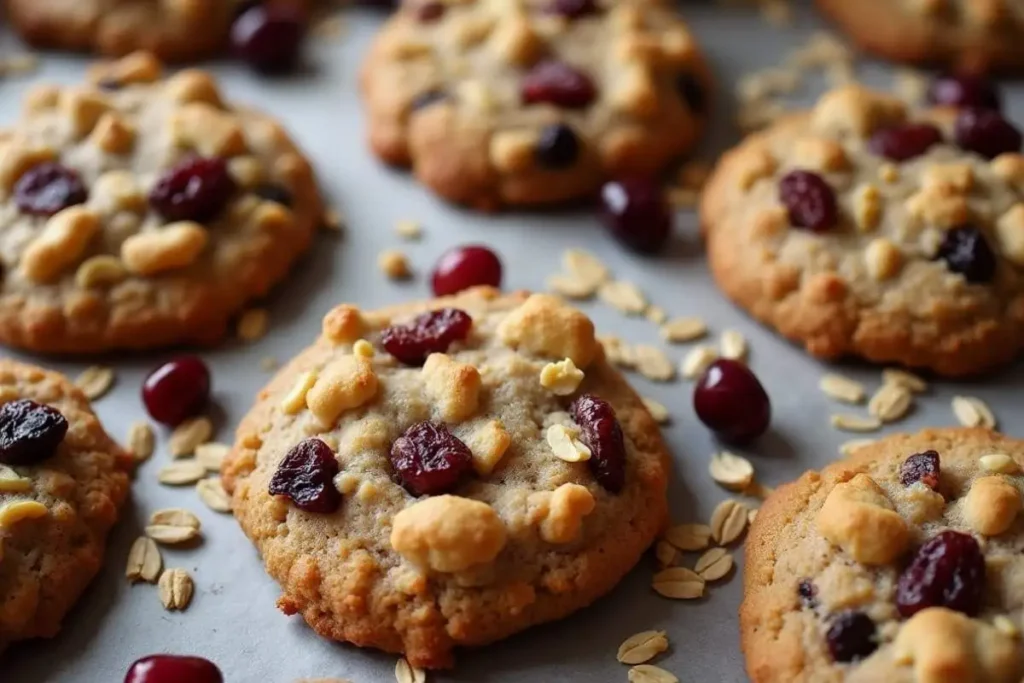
(863, 228)
(62, 481)
(536, 102)
(447, 473)
(138, 212)
(900, 564)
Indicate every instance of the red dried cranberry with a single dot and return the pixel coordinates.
(429, 459)
(966, 251)
(964, 90)
(557, 147)
(173, 669)
(731, 401)
(572, 9)
(464, 267)
(177, 390)
(30, 432)
(921, 467)
(810, 200)
(851, 636)
(905, 141)
(808, 593)
(557, 83)
(195, 189)
(431, 332)
(986, 132)
(635, 211)
(306, 476)
(948, 571)
(46, 188)
(692, 91)
(269, 36)
(274, 193)
(603, 436)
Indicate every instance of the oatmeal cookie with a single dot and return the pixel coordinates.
(862, 228)
(62, 480)
(504, 103)
(448, 473)
(901, 564)
(138, 212)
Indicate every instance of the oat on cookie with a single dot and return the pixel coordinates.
(513, 103)
(62, 480)
(137, 211)
(863, 228)
(420, 480)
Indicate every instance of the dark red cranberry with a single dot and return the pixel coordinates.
(430, 460)
(730, 400)
(30, 432)
(173, 669)
(964, 90)
(464, 267)
(966, 251)
(572, 9)
(921, 467)
(692, 91)
(558, 146)
(428, 10)
(269, 36)
(274, 193)
(905, 141)
(810, 200)
(986, 132)
(431, 332)
(177, 390)
(306, 476)
(851, 636)
(424, 100)
(194, 189)
(557, 83)
(636, 213)
(948, 571)
(602, 434)
(808, 593)
(46, 188)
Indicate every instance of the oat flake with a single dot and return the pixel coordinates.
(698, 360)
(187, 436)
(175, 517)
(623, 296)
(252, 325)
(407, 673)
(848, 448)
(856, 423)
(658, 411)
(905, 379)
(973, 412)
(734, 472)
(647, 673)
(689, 536)
(842, 388)
(734, 345)
(166, 534)
(728, 521)
(180, 473)
(211, 492)
(176, 588)
(684, 329)
(95, 381)
(678, 583)
(891, 403)
(666, 553)
(141, 440)
(211, 454)
(144, 561)
(642, 647)
(653, 364)
(714, 564)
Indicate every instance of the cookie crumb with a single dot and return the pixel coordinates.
(394, 264)
(333, 221)
(408, 229)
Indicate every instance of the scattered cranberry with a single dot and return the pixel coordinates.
(195, 189)
(306, 476)
(274, 193)
(429, 10)
(905, 141)
(464, 267)
(557, 83)
(429, 459)
(177, 390)
(851, 636)
(730, 400)
(572, 9)
(431, 332)
(808, 593)
(558, 146)
(692, 91)
(635, 211)
(30, 432)
(948, 571)
(424, 100)
(810, 200)
(986, 132)
(173, 669)
(46, 188)
(964, 90)
(921, 467)
(603, 436)
(966, 251)
(268, 36)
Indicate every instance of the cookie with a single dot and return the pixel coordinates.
(862, 228)
(62, 481)
(536, 102)
(138, 212)
(448, 473)
(901, 564)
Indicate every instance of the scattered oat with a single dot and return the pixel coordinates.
(407, 673)
(181, 473)
(623, 296)
(973, 412)
(653, 364)
(571, 286)
(732, 471)
(734, 345)
(728, 521)
(187, 436)
(910, 85)
(646, 673)
(679, 583)
(211, 454)
(408, 229)
(144, 561)
(666, 553)
(905, 379)
(333, 220)
(999, 463)
(684, 329)
(1006, 626)
(658, 411)
(618, 352)
(642, 647)
(171, 535)
(714, 564)
(95, 381)
(848, 448)
(252, 325)
(842, 388)
(211, 492)
(585, 265)
(175, 517)
(656, 314)
(891, 403)
(269, 364)
(141, 440)
(751, 515)
(698, 360)
(689, 537)
(394, 264)
(176, 588)
(855, 423)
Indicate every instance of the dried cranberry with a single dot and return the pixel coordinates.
(306, 476)
(905, 141)
(429, 459)
(424, 100)
(603, 436)
(46, 188)
(428, 10)
(30, 432)
(173, 669)
(810, 200)
(851, 636)
(572, 9)
(431, 332)
(921, 467)
(966, 251)
(636, 213)
(557, 83)
(986, 132)
(948, 571)
(558, 146)
(464, 267)
(964, 90)
(269, 36)
(692, 91)
(808, 593)
(274, 193)
(195, 189)
(177, 390)
(731, 401)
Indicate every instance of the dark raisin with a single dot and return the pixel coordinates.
(921, 467)
(986, 132)
(431, 332)
(109, 84)
(30, 432)
(557, 83)
(428, 10)
(692, 91)
(964, 90)
(274, 193)
(429, 460)
(194, 189)
(905, 141)
(603, 436)
(425, 99)
(808, 593)
(810, 200)
(46, 188)
(851, 636)
(558, 146)
(306, 476)
(966, 251)
(636, 213)
(572, 9)
(948, 571)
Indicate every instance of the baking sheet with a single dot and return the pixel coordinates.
(232, 619)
